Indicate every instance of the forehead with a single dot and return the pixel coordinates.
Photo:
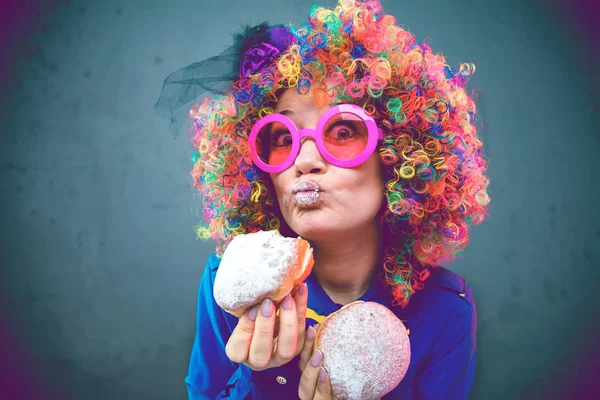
(291, 98)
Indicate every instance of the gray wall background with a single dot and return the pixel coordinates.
(99, 263)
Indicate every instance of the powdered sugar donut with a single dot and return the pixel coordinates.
(260, 265)
(366, 351)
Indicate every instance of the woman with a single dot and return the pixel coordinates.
(383, 186)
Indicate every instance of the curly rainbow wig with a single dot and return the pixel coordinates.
(433, 167)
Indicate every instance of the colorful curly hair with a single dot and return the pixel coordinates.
(431, 154)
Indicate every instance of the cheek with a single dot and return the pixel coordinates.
(283, 201)
(370, 175)
(362, 191)
(278, 182)
(370, 184)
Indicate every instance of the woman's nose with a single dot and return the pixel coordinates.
(309, 159)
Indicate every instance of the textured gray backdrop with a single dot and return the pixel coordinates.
(100, 267)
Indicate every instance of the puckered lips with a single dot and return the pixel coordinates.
(306, 192)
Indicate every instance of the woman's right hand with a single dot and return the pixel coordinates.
(253, 342)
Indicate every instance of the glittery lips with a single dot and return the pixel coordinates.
(306, 192)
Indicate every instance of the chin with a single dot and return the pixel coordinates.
(319, 230)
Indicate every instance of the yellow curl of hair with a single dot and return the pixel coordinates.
(407, 171)
(256, 191)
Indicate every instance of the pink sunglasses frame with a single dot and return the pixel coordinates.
(375, 134)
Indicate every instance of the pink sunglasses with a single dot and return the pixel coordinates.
(346, 136)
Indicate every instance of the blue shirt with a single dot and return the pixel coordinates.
(441, 320)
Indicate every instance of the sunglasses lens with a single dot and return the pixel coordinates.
(345, 136)
(274, 143)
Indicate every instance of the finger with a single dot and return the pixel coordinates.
(238, 346)
(261, 347)
(323, 391)
(307, 350)
(287, 338)
(301, 300)
(310, 376)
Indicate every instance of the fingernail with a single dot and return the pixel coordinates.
(287, 302)
(302, 290)
(267, 308)
(310, 333)
(322, 375)
(252, 313)
(315, 360)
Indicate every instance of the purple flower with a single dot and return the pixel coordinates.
(257, 58)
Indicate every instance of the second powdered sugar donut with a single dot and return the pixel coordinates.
(366, 350)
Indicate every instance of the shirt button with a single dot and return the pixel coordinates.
(281, 380)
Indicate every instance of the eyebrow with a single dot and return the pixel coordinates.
(285, 112)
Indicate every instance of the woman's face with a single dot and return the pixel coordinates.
(349, 198)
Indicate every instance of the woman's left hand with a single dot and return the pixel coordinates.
(314, 383)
